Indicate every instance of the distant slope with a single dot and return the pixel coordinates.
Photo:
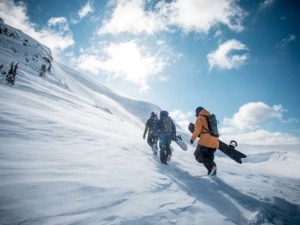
(20, 48)
(140, 109)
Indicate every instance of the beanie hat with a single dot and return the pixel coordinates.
(198, 110)
(164, 114)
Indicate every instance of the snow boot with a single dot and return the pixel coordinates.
(212, 171)
(163, 157)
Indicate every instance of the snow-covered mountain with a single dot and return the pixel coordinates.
(72, 152)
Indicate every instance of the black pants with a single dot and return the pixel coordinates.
(152, 139)
(206, 156)
(165, 150)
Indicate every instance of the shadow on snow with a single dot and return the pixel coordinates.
(230, 202)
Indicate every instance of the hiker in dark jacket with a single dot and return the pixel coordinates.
(207, 143)
(166, 130)
(151, 138)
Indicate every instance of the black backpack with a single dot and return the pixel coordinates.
(212, 125)
(167, 125)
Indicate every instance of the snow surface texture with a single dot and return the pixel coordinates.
(72, 152)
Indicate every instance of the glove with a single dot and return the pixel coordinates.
(191, 141)
(191, 127)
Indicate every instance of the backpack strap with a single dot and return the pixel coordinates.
(207, 129)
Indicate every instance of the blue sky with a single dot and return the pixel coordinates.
(238, 59)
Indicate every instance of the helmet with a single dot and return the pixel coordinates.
(198, 110)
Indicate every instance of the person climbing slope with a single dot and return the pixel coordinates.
(207, 143)
(166, 131)
(151, 137)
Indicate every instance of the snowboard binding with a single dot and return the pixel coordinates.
(179, 137)
(233, 144)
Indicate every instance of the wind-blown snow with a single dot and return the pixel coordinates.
(72, 152)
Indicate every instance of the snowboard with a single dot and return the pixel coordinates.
(228, 150)
(180, 142)
(172, 149)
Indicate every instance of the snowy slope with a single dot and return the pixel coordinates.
(71, 152)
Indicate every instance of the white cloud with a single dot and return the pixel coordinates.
(85, 10)
(181, 118)
(266, 4)
(129, 16)
(57, 35)
(247, 125)
(187, 15)
(202, 15)
(88, 62)
(285, 41)
(252, 114)
(125, 60)
(224, 57)
(59, 22)
(259, 137)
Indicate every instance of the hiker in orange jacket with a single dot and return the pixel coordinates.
(207, 143)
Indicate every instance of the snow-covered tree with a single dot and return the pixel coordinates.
(12, 73)
(49, 68)
(42, 70)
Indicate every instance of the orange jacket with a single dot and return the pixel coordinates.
(201, 128)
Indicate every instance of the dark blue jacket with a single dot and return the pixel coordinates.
(165, 127)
